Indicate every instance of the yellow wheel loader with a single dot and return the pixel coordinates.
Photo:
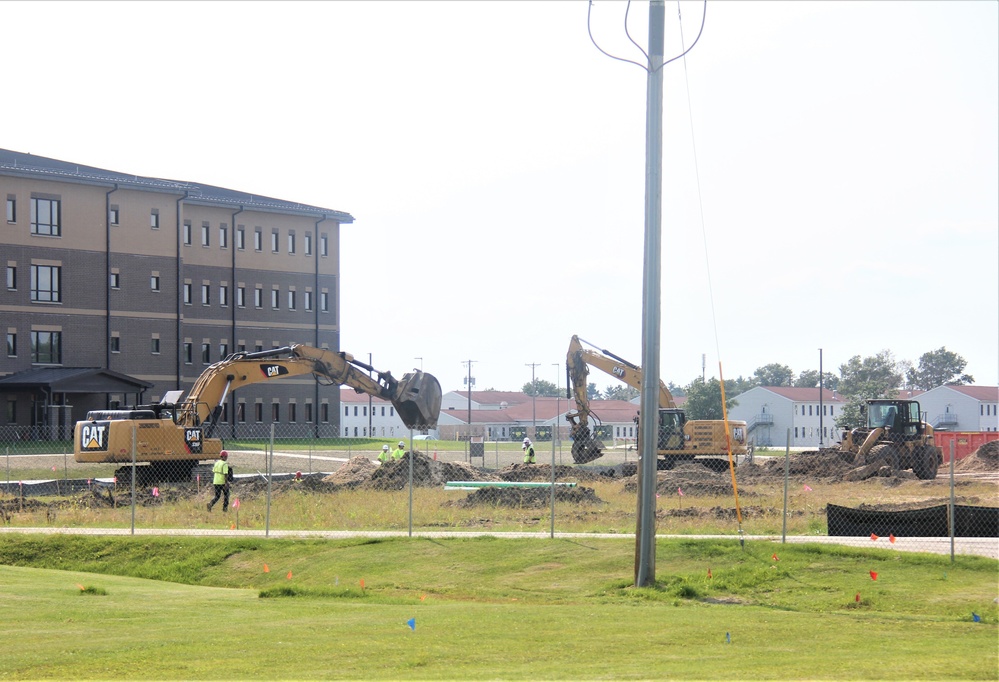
(173, 437)
(895, 435)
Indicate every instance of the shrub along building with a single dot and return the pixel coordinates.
(121, 287)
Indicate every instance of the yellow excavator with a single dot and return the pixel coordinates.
(173, 437)
(680, 439)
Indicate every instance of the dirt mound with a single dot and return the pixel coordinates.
(543, 472)
(352, 474)
(814, 464)
(693, 479)
(427, 473)
(533, 498)
(985, 458)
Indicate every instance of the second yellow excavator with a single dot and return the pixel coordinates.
(679, 438)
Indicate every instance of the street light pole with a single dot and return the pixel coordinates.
(469, 382)
(558, 401)
(534, 395)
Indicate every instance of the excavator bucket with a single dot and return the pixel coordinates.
(419, 400)
(585, 448)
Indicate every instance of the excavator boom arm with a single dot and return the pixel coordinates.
(416, 397)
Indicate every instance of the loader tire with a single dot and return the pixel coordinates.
(888, 454)
(925, 462)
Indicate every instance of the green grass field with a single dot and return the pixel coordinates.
(90, 607)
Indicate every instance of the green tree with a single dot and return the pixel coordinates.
(675, 391)
(861, 379)
(704, 399)
(740, 384)
(809, 378)
(541, 389)
(938, 368)
(620, 392)
(773, 375)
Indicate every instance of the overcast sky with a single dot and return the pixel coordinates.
(842, 195)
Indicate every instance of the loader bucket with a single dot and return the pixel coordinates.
(585, 448)
(419, 400)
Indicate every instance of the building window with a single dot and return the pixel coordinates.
(291, 300)
(223, 236)
(308, 244)
(241, 347)
(206, 234)
(324, 302)
(188, 352)
(115, 344)
(308, 413)
(223, 351)
(291, 242)
(12, 344)
(154, 346)
(275, 412)
(223, 295)
(115, 280)
(12, 277)
(46, 347)
(346, 411)
(154, 282)
(258, 347)
(275, 298)
(154, 219)
(187, 232)
(258, 240)
(274, 241)
(325, 413)
(241, 412)
(45, 217)
(206, 294)
(206, 353)
(324, 245)
(241, 297)
(292, 413)
(258, 412)
(188, 294)
(45, 283)
(11, 208)
(258, 298)
(11, 411)
(307, 300)
(240, 237)
(113, 214)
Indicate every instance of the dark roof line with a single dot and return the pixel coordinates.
(19, 163)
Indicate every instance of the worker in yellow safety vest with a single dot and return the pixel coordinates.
(220, 479)
(384, 455)
(528, 451)
(400, 451)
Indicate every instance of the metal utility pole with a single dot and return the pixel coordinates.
(371, 408)
(820, 399)
(558, 403)
(469, 382)
(534, 397)
(645, 533)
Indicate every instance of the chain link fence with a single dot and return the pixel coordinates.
(295, 477)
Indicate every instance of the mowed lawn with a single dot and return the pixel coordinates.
(84, 607)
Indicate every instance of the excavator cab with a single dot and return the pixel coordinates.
(419, 400)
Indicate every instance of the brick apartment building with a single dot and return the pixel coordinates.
(121, 287)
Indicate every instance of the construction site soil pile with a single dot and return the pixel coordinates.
(532, 498)
(985, 458)
(692, 479)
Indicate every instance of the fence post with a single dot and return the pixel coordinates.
(787, 468)
(133, 478)
(553, 489)
(411, 483)
(269, 456)
(950, 506)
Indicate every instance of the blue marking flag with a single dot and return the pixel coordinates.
(411, 623)
(975, 617)
(728, 638)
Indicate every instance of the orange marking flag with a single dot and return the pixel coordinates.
(267, 569)
(874, 575)
(873, 537)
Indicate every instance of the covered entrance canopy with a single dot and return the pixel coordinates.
(50, 388)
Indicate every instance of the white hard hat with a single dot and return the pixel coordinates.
(385, 447)
(527, 441)
(401, 444)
